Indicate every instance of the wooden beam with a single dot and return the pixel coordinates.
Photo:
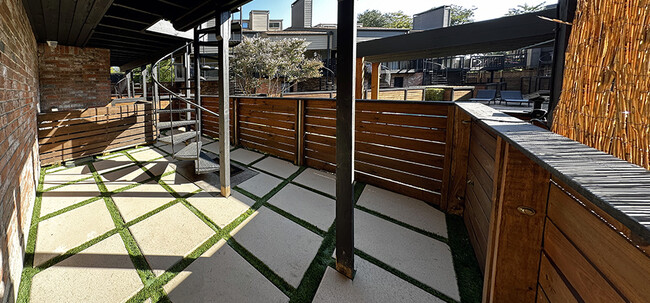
(345, 108)
(516, 227)
(374, 81)
(358, 93)
(223, 37)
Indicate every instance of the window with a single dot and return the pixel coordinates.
(244, 25)
(399, 81)
(274, 25)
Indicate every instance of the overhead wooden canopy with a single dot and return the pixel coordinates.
(507, 33)
(120, 25)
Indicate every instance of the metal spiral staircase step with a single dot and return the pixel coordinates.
(163, 125)
(205, 165)
(178, 138)
(176, 111)
(189, 152)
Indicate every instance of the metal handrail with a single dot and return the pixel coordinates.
(197, 108)
(155, 79)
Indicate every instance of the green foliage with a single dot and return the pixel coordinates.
(374, 18)
(461, 15)
(434, 94)
(399, 20)
(525, 8)
(274, 61)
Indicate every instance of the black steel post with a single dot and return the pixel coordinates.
(566, 11)
(223, 25)
(345, 107)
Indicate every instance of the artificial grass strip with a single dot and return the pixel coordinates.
(28, 273)
(313, 190)
(402, 224)
(403, 276)
(66, 184)
(310, 282)
(71, 207)
(296, 220)
(468, 273)
(269, 274)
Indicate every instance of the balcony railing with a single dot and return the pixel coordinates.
(548, 218)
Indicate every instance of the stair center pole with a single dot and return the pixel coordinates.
(197, 93)
(223, 25)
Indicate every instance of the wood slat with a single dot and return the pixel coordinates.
(627, 267)
(580, 274)
(403, 108)
(403, 119)
(266, 149)
(554, 287)
(432, 198)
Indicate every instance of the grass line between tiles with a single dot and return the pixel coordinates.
(135, 253)
(28, 266)
(404, 276)
(402, 224)
(267, 272)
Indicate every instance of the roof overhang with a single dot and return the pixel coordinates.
(507, 33)
(121, 25)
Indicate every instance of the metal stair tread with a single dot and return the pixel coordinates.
(205, 165)
(188, 152)
(176, 111)
(163, 125)
(180, 137)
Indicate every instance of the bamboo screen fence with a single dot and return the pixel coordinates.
(605, 102)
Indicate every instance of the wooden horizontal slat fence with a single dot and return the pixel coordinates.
(400, 146)
(73, 134)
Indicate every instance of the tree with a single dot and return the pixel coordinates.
(372, 18)
(525, 8)
(399, 20)
(260, 60)
(461, 15)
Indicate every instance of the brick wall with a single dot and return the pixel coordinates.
(73, 77)
(19, 163)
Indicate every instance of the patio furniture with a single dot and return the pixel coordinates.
(485, 95)
(513, 96)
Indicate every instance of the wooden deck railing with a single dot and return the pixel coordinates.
(75, 134)
(400, 146)
(550, 220)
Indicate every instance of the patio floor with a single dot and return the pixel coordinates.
(128, 227)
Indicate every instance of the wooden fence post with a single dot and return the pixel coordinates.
(462, 125)
(300, 132)
(446, 171)
(516, 227)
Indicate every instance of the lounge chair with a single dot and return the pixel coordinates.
(485, 95)
(513, 96)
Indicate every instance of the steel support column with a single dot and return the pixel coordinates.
(223, 25)
(129, 79)
(345, 106)
(143, 80)
(566, 11)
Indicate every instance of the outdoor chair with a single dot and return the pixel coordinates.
(485, 95)
(513, 96)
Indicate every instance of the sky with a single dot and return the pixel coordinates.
(325, 10)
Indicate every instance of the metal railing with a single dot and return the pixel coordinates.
(171, 96)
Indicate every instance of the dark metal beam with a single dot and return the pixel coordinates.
(507, 33)
(345, 107)
(566, 10)
(223, 37)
